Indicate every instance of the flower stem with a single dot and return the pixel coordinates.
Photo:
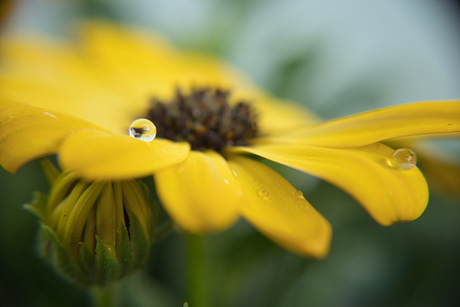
(196, 271)
(104, 296)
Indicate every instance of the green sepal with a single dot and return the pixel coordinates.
(86, 259)
(140, 245)
(51, 171)
(123, 248)
(59, 257)
(38, 206)
(99, 264)
(107, 268)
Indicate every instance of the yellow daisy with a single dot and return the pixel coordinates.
(79, 99)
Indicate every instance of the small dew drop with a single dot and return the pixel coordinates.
(143, 129)
(403, 159)
(234, 173)
(263, 193)
(226, 181)
(110, 247)
(299, 194)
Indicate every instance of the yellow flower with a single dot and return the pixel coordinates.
(78, 101)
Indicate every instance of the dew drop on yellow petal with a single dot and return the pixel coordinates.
(299, 194)
(143, 129)
(263, 193)
(403, 159)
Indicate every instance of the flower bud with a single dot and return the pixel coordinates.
(93, 232)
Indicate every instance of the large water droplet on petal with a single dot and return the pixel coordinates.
(143, 129)
(403, 159)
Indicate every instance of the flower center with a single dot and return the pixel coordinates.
(205, 119)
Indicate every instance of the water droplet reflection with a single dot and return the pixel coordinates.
(403, 159)
(143, 129)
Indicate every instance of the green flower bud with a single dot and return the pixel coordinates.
(93, 232)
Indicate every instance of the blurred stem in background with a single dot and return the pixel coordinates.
(197, 271)
(105, 296)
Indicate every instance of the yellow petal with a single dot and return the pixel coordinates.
(96, 155)
(27, 133)
(389, 195)
(275, 207)
(157, 68)
(278, 117)
(374, 126)
(60, 77)
(200, 194)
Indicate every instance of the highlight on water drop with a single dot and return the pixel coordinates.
(143, 129)
(403, 159)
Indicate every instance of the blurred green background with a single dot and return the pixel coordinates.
(334, 57)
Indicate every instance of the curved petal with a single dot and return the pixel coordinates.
(58, 76)
(27, 133)
(278, 117)
(96, 155)
(374, 126)
(157, 67)
(389, 195)
(275, 207)
(200, 194)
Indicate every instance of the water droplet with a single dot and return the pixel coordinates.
(299, 194)
(403, 159)
(143, 129)
(234, 173)
(110, 248)
(263, 193)
(226, 181)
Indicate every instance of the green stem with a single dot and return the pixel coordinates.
(196, 271)
(104, 296)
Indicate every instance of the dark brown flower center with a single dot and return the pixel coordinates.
(205, 119)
